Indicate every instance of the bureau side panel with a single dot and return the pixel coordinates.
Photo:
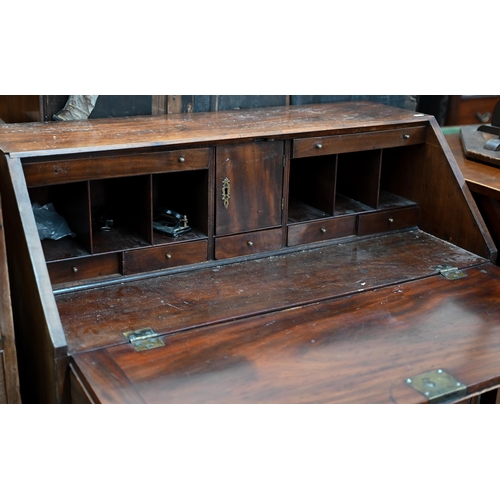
(40, 338)
(431, 177)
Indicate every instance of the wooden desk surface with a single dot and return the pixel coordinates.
(356, 349)
(42, 139)
(346, 323)
(481, 178)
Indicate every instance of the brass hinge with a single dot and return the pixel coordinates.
(450, 272)
(437, 386)
(144, 339)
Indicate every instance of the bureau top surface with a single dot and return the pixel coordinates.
(48, 138)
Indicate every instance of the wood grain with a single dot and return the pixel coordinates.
(357, 349)
(107, 134)
(190, 299)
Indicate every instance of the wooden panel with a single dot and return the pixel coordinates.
(388, 220)
(247, 244)
(357, 349)
(327, 229)
(317, 146)
(39, 334)
(84, 268)
(255, 173)
(183, 128)
(184, 300)
(164, 257)
(72, 170)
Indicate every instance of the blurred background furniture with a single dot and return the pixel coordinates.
(35, 108)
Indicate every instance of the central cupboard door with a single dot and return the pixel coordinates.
(249, 180)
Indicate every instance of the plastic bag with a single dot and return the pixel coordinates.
(49, 223)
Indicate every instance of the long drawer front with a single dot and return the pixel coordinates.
(318, 146)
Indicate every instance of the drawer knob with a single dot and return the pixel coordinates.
(182, 159)
(74, 269)
(250, 243)
(391, 220)
(323, 230)
(406, 136)
(319, 146)
(168, 256)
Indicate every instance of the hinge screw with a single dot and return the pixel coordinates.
(408, 380)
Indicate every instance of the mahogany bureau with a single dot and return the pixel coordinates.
(335, 254)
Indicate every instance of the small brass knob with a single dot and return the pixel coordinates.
(74, 269)
(391, 220)
(250, 243)
(323, 230)
(319, 146)
(168, 256)
(406, 136)
(182, 159)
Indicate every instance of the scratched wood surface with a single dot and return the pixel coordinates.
(355, 349)
(98, 317)
(30, 139)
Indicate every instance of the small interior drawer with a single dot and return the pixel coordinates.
(309, 232)
(165, 256)
(238, 245)
(388, 220)
(318, 146)
(84, 169)
(84, 268)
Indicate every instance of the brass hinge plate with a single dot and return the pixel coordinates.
(437, 386)
(144, 339)
(450, 272)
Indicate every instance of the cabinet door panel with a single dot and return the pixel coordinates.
(251, 176)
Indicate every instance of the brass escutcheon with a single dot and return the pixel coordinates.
(226, 192)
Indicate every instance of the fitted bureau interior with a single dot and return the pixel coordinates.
(234, 205)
